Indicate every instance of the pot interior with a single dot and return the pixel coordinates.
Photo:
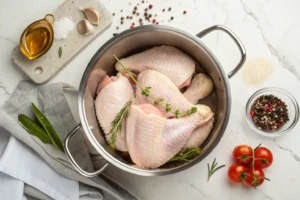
(134, 41)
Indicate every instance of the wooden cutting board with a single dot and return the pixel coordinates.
(45, 67)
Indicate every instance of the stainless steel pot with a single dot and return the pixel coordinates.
(136, 40)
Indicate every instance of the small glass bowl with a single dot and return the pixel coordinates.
(292, 106)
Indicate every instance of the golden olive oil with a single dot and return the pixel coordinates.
(37, 39)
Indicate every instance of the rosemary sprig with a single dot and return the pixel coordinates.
(186, 155)
(146, 92)
(183, 156)
(213, 168)
(116, 125)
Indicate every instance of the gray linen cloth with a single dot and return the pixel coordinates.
(51, 100)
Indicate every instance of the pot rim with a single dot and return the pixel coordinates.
(117, 163)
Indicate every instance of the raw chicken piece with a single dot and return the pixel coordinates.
(199, 135)
(170, 61)
(200, 87)
(108, 103)
(161, 87)
(151, 109)
(153, 140)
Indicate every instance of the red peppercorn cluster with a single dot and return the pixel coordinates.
(269, 113)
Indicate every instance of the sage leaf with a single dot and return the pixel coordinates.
(48, 128)
(33, 128)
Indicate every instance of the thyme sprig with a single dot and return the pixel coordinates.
(160, 101)
(116, 125)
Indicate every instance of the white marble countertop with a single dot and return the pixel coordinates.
(268, 29)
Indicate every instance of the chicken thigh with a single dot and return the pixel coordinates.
(170, 61)
(153, 140)
(114, 94)
(161, 87)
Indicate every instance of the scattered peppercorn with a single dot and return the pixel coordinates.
(163, 10)
(135, 8)
(145, 14)
(113, 14)
(150, 6)
(146, 9)
(122, 18)
(157, 23)
(114, 34)
(122, 22)
(137, 14)
(269, 113)
(172, 18)
(150, 16)
(184, 12)
(143, 1)
(170, 9)
(130, 17)
(154, 21)
(121, 10)
(127, 17)
(117, 28)
(155, 15)
(141, 20)
(131, 26)
(133, 12)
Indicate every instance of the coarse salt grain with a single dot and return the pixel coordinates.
(63, 27)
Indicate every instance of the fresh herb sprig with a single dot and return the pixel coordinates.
(183, 156)
(160, 102)
(213, 169)
(116, 125)
(42, 130)
(186, 155)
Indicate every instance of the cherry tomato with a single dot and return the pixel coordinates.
(264, 158)
(242, 154)
(254, 179)
(236, 173)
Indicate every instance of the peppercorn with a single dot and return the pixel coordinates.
(170, 9)
(135, 8)
(269, 113)
(150, 6)
(130, 17)
(157, 23)
(153, 21)
(150, 16)
(184, 12)
(133, 12)
(137, 14)
(122, 22)
(127, 17)
(131, 26)
(121, 10)
(163, 10)
(143, 1)
(172, 18)
(122, 18)
(114, 34)
(146, 9)
(113, 14)
(117, 28)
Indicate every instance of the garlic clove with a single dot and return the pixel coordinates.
(84, 27)
(92, 15)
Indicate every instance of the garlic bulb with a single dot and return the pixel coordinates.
(92, 15)
(84, 27)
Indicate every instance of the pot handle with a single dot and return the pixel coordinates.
(235, 39)
(72, 160)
